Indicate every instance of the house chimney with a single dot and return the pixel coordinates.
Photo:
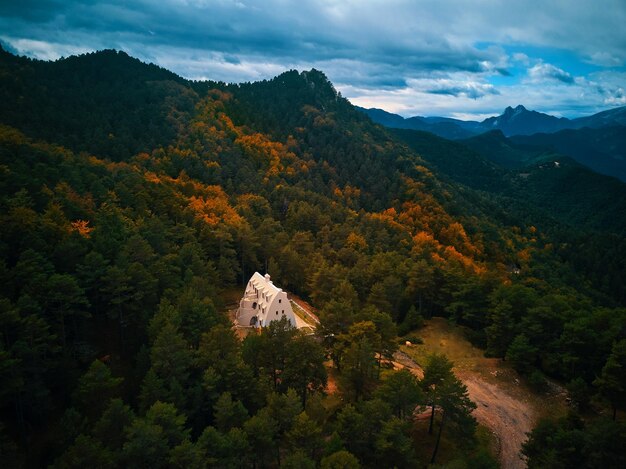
(267, 277)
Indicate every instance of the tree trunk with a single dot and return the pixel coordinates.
(614, 412)
(443, 419)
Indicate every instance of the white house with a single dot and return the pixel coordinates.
(263, 302)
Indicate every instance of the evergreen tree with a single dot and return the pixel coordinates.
(611, 383)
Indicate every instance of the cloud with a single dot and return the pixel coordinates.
(459, 87)
(42, 49)
(542, 71)
(522, 58)
(389, 49)
(605, 59)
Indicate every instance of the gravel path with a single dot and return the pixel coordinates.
(506, 416)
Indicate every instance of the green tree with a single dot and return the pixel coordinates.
(283, 409)
(229, 413)
(150, 439)
(394, 446)
(112, 426)
(306, 436)
(86, 451)
(611, 383)
(275, 347)
(413, 320)
(350, 426)
(438, 370)
(360, 368)
(509, 304)
(501, 330)
(187, 455)
(402, 391)
(298, 460)
(262, 434)
(146, 445)
(447, 392)
(95, 389)
(556, 444)
(220, 356)
(64, 298)
(522, 354)
(419, 284)
(172, 361)
(304, 367)
(340, 460)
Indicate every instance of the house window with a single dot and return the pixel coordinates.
(283, 311)
(280, 301)
(276, 313)
(254, 305)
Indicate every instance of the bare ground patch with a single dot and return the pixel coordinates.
(505, 404)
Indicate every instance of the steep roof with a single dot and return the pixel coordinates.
(267, 291)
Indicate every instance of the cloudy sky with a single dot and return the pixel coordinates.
(457, 58)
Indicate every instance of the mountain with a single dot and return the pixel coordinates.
(442, 126)
(610, 118)
(135, 204)
(513, 121)
(521, 121)
(597, 141)
(385, 118)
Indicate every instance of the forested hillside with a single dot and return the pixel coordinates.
(132, 199)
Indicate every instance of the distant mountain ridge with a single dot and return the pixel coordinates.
(521, 121)
(442, 126)
(513, 121)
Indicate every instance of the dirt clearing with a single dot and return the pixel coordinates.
(504, 404)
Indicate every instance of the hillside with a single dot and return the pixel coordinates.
(504, 152)
(553, 188)
(132, 199)
(139, 106)
(601, 149)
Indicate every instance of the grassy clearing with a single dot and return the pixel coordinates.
(441, 337)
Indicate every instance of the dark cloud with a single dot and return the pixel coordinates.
(32, 10)
(469, 91)
(360, 45)
(306, 33)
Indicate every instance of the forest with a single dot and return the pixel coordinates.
(132, 200)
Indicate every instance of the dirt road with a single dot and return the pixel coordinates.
(506, 416)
